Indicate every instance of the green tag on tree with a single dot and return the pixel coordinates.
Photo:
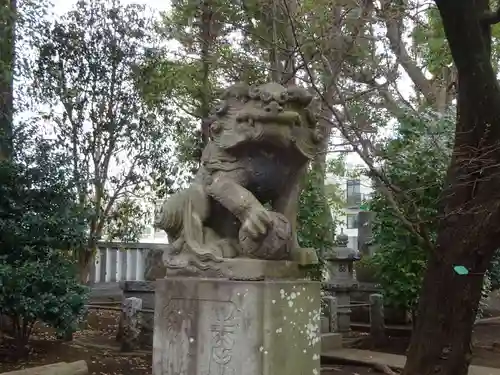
(461, 270)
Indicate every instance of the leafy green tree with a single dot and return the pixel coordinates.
(314, 225)
(204, 58)
(126, 221)
(468, 227)
(40, 287)
(41, 224)
(87, 76)
(414, 160)
(20, 25)
(318, 204)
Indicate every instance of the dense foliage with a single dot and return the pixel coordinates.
(314, 227)
(86, 84)
(40, 225)
(314, 224)
(415, 160)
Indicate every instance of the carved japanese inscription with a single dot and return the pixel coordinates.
(223, 339)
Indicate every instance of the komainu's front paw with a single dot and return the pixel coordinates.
(275, 244)
(257, 223)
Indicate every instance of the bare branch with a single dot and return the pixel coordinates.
(358, 143)
(491, 17)
(392, 15)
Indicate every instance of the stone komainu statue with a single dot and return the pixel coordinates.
(244, 199)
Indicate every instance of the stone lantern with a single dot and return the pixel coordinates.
(339, 264)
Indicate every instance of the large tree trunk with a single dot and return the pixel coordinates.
(469, 230)
(84, 266)
(7, 47)
(441, 339)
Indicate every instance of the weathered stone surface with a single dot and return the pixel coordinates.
(244, 199)
(331, 341)
(215, 326)
(130, 320)
(377, 322)
(145, 291)
(325, 325)
(137, 286)
(60, 368)
(240, 268)
(343, 312)
(332, 311)
(249, 269)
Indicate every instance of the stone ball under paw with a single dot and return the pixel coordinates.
(275, 245)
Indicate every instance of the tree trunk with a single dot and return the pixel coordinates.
(84, 260)
(468, 232)
(441, 338)
(319, 167)
(8, 10)
(85, 256)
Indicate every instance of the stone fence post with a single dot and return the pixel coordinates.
(130, 324)
(377, 320)
(332, 311)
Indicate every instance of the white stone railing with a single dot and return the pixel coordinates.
(119, 261)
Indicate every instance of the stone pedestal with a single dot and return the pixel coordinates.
(207, 326)
(130, 321)
(145, 291)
